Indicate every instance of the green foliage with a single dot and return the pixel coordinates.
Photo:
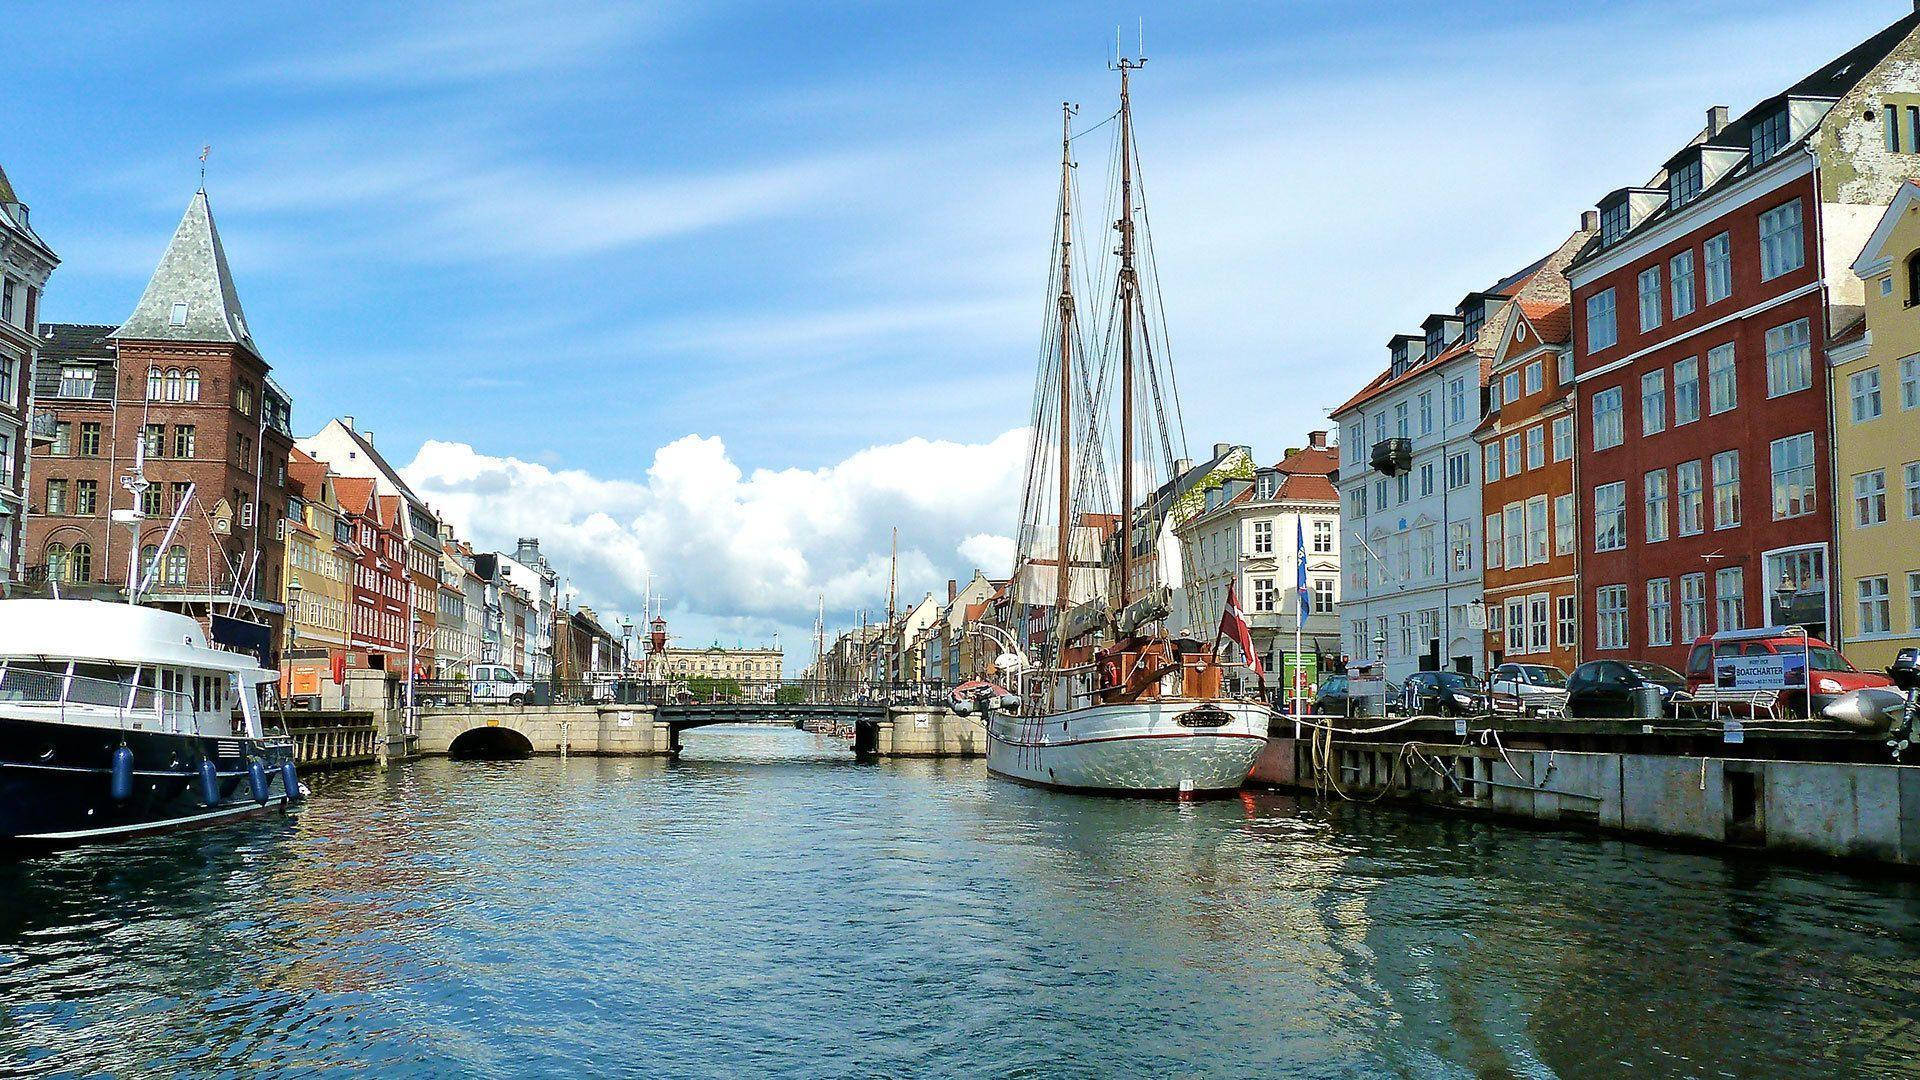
(790, 695)
(706, 689)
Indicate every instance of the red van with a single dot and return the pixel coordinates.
(1832, 674)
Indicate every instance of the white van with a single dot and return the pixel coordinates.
(496, 684)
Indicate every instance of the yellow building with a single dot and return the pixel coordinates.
(317, 609)
(1876, 447)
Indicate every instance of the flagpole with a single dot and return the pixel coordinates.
(1299, 618)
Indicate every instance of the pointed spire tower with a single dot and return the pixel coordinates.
(191, 295)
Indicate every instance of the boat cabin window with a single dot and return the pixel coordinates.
(32, 680)
(101, 684)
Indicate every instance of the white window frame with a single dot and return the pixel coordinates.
(1602, 332)
(1651, 298)
(1653, 402)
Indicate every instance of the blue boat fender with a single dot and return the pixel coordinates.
(290, 779)
(209, 783)
(121, 786)
(257, 780)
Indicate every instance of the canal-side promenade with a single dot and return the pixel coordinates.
(766, 906)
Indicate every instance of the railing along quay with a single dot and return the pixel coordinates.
(331, 739)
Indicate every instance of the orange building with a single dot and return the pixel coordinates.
(1527, 489)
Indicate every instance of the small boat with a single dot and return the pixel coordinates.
(118, 720)
(1112, 700)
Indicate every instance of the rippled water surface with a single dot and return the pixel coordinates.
(768, 907)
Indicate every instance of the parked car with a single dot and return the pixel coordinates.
(495, 684)
(1521, 689)
(1444, 693)
(1331, 699)
(1832, 674)
(1612, 689)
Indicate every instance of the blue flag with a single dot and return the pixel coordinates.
(1300, 549)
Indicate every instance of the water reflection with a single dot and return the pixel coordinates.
(766, 905)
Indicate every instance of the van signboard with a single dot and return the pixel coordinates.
(1764, 671)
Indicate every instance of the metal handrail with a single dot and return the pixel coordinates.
(127, 698)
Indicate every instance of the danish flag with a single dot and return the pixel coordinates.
(1233, 627)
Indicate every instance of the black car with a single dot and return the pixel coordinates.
(1444, 693)
(1331, 698)
(1622, 689)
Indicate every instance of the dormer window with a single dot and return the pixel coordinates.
(1683, 183)
(1476, 318)
(1436, 340)
(1770, 136)
(1614, 222)
(178, 317)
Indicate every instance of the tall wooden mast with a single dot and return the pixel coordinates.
(1063, 553)
(1128, 287)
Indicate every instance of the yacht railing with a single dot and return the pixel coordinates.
(59, 689)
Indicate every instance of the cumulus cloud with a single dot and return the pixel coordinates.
(737, 549)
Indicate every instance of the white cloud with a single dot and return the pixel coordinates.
(722, 544)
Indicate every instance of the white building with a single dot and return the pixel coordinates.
(529, 570)
(1249, 536)
(25, 264)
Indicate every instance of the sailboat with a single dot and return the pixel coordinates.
(1110, 699)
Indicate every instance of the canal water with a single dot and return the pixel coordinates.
(766, 906)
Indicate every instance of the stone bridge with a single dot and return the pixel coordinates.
(642, 730)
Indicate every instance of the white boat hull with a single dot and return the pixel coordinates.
(1141, 748)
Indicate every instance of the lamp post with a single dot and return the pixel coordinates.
(413, 635)
(293, 632)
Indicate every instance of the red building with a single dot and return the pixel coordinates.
(1700, 312)
(377, 617)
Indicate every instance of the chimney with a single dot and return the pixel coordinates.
(953, 590)
(1717, 116)
(347, 422)
(1590, 219)
(1182, 465)
(1317, 440)
(1220, 449)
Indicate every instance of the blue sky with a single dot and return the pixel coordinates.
(560, 237)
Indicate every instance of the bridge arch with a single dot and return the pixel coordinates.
(490, 743)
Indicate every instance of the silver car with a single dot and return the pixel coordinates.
(1528, 690)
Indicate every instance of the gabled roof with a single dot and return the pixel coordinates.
(13, 214)
(1317, 461)
(1306, 487)
(1874, 258)
(75, 341)
(192, 272)
(1552, 320)
(354, 492)
(309, 474)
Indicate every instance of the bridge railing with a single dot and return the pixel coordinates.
(695, 690)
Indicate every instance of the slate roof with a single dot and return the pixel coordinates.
(192, 271)
(76, 341)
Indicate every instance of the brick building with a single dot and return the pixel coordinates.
(25, 263)
(178, 395)
(1528, 503)
(378, 621)
(1701, 310)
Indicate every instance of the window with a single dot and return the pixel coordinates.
(1730, 598)
(1323, 602)
(178, 316)
(1355, 435)
(1536, 377)
(1563, 368)
(62, 438)
(1913, 599)
(1689, 495)
(1357, 501)
(1683, 183)
(1510, 386)
(1655, 486)
(1459, 471)
(1726, 489)
(1426, 478)
(1322, 536)
(1426, 413)
(1870, 498)
(190, 385)
(150, 500)
(1719, 260)
(1460, 544)
(183, 440)
(1492, 454)
(1263, 594)
(79, 564)
(1563, 525)
(1402, 486)
(176, 568)
(1614, 222)
(1659, 612)
(76, 381)
(1562, 438)
(1723, 391)
(1910, 383)
(1864, 388)
(1429, 541)
(86, 497)
(1610, 608)
(1536, 447)
(153, 440)
(1680, 283)
(1693, 606)
(1876, 614)
(1653, 402)
(1783, 244)
(1601, 332)
(56, 497)
(1607, 431)
(1649, 298)
(1457, 401)
(1512, 443)
(1263, 538)
(153, 384)
(1379, 494)
(1516, 626)
(1514, 520)
(1789, 359)
(1494, 560)
(1686, 391)
(1913, 489)
(173, 385)
(90, 438)
(1769, 136)
(243, 400)
(1537, 532)
(1568, 619)
(1793, 476)
(1610, 516)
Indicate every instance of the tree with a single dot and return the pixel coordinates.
(790, 695)
(705, 688)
